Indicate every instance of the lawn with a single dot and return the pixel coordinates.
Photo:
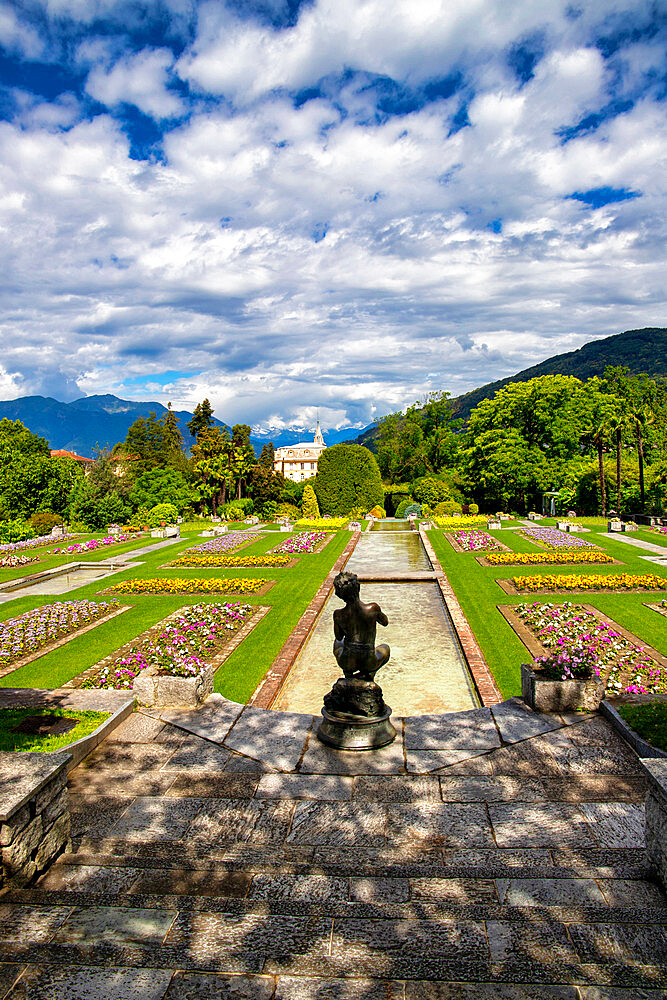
(238, 676)
(479, 596)
(87, 722)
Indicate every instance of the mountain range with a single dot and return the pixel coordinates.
(100, 421)
(92, 422)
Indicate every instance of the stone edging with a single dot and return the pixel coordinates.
(11, 667)
(483, 561)
(656, 607)
(500, 546)
(508, 587)
(288, 565)
(487, 689)
(264, 589)
(639, 745)
(535, 647)
(269, 687)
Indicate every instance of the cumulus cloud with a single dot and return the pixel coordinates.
(139, 79)
(284, 254)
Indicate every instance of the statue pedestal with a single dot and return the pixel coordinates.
(356, 732)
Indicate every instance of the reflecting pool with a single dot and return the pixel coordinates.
(426, 673)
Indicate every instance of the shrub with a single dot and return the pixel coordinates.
(348, 476)
(269, 511)
(288, 510)
(309, 506)
(44, 521)
(162, 512)
(403, 506)
(430, 491)
(452, 507)
(233, 513)
(377, 511)
(246, 504)
(16, 530)
(413, 508)
(473, 508)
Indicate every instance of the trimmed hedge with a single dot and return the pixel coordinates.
(347, 476)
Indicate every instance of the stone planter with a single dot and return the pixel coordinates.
(544, 695)
(656, 816)
(153, 688)
(494, 526)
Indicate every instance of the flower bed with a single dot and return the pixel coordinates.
(613, 582)
(546, 558)
(33, 543)
(13, 561)
(35, 629)
(325, 523)
(98, 543)
(551, 538)
(180, 649)
(224, 543)
(166, 585)
(578, 642)
(475, 541)
(460, 521)
(248, 561)
(660, 528)
(305, 541)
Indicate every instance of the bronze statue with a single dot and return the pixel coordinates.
(355, 714)
(354, 630)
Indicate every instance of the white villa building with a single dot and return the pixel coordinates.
(299, 461)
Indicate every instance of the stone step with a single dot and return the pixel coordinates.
(456, 950)
(350, 862)
(365, 899)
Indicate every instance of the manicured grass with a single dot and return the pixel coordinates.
(239, 675)
(11, 717)
(479, 596)
(649, 721)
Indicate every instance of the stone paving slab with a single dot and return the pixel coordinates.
(474, 730)
(57, 983)
(279, 737)
(516, 721)
(212, 721)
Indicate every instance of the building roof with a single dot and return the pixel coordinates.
(63, 453)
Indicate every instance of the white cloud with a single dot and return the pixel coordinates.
(15, 35)
(139, 79)
(284, 258)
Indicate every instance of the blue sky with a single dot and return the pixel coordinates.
(339, 204)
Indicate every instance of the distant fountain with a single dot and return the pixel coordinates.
(355, 716)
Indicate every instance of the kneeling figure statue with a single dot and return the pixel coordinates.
(355, 716)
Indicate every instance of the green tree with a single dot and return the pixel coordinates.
(267, 455)
(309, 507)
(163, 486)
(212, 466)
(266, 486)
(202, 419)
(347, 476)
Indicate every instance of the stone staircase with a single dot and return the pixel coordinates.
(196, 872)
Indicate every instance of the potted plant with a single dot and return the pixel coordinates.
(563, 680)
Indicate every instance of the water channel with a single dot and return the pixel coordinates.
(59, 581)
(427, 672)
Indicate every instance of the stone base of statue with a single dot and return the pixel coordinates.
(355, 716)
